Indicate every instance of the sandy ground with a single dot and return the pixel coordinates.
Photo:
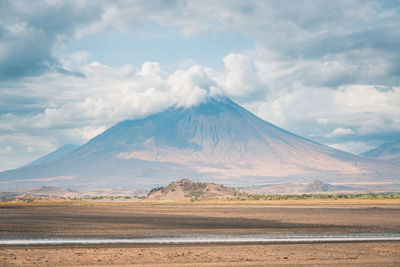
(103, 220)
(363, 254)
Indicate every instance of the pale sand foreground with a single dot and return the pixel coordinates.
(362, 254)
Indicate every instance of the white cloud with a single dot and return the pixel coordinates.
(6, 149)
(364, 112)
(18, 149)
(353, 147)
(108, 95)
(340, 131)
(192, 86)
(150, 69)
(240, 79)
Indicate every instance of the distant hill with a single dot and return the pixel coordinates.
(315, 186)
(186, 190)
(58, 153)
(320, 187)
(215, 141)
(388, 151)
(52, 191)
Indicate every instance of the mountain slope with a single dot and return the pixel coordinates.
(56, 154)
(216, 141)
(388, 151)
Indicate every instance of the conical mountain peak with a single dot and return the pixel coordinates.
(216, 141)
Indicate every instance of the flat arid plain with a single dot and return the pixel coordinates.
(126, 219)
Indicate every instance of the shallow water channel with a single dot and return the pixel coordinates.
(209, 238)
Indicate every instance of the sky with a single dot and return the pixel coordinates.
(325, 70)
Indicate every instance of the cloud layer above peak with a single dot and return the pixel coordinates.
(327, 70)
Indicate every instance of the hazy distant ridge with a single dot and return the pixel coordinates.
(387, 151)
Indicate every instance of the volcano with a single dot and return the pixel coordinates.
(214, 141)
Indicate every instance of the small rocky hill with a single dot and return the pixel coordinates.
(186, 190)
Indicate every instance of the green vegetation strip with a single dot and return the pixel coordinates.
(320, 196)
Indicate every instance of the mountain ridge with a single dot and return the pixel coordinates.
(56, 154)
(389, 151)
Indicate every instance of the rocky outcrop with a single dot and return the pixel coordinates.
(186, 190)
